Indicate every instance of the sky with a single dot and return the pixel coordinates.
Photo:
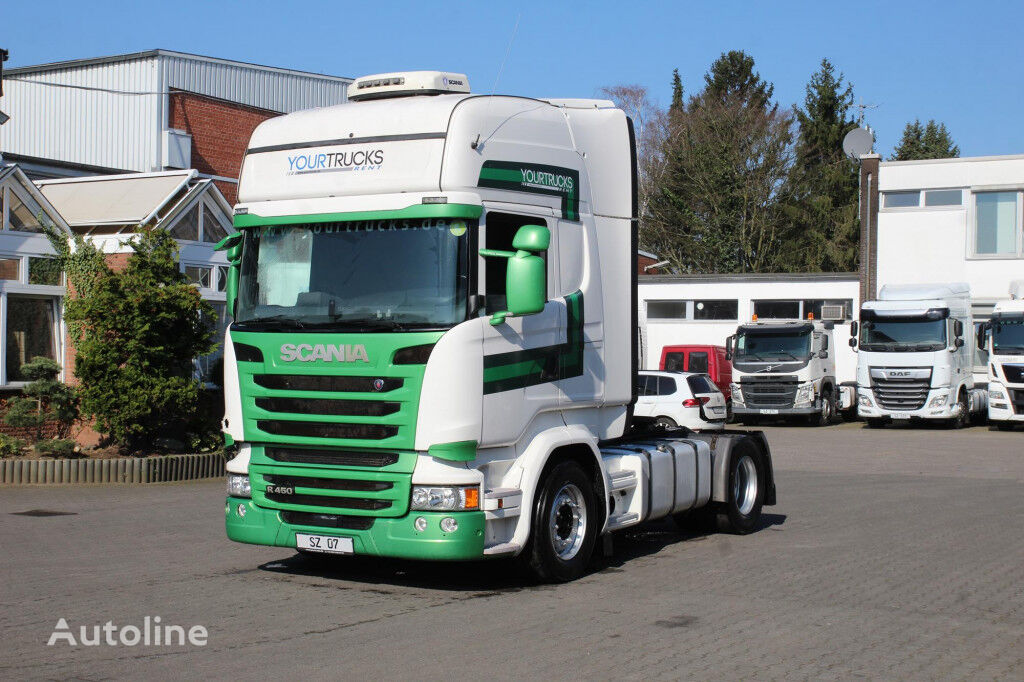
(959, 63)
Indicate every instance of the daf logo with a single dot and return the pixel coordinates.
(305, 352)
(378, 384)
(899, 374)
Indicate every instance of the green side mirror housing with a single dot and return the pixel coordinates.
(526, 287)
(233, 245)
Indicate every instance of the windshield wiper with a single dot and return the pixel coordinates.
(787, 353)
(271, 320)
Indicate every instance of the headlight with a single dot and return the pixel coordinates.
(805, 394)
(864, 400)
(737, 393)
(939, 400)
(238, 485)
(996, 394)
(445, 497)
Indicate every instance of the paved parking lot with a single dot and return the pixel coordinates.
(891, 554)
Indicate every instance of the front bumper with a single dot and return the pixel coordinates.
(873, 411)
(1001, 409)
(387, 537)
(781, 411)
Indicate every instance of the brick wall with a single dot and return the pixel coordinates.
(869, 226)
(220, 132)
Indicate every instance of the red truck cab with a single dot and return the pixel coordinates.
(704, 359)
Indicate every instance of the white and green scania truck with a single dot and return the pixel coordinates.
(433, 351)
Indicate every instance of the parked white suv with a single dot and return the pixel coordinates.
(680, 399)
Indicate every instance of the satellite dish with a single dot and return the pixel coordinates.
(858, 142)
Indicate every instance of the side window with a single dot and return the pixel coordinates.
(674, 362)
(699, 384)
(641, 385)
(500, 230)
(666, 386)
(698, 362)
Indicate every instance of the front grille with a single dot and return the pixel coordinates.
(1014, 373)
(327, 483)
(341, 408)
(327, 520)
(334, 457)
(329, 501)
(769, 392)
(901, 394)
(326, 430)
(294, 382)
(1017, 400)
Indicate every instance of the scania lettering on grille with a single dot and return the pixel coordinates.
(304, 352)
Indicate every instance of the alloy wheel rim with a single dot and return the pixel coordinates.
(567, 523)
(744, 486)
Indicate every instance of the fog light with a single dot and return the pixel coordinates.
(241, 510)
(420, 524)
(449, 525)
(864, 400)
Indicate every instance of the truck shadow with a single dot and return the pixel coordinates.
(483, 578)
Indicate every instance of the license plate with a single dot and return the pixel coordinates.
(718, 410)
(767, 411)
(328, 544)
(901, 415)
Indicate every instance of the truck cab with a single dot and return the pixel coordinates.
(784, 368)
(1003, 338)
(914, 361)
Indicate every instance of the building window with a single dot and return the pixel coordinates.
(838, 309)
(995, 223)
(222, 278)
(31, 332)
(715, 310)
(45, 271)
(901, 199)
(213, 231)
(777, 310)
(943, 197)
(666, 310)
(187, 227)
(9, 268)
(200, 276)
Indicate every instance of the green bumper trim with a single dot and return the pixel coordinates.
(459, 451)
(469, 211)
(388, 537)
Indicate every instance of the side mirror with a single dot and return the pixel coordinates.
(233, 245)
(823, 354)
(854, 328)
(824, 342)
(958, 342)
(958, 328)
(982, 336)
(729, 342)
(853, 342)
(526, 274)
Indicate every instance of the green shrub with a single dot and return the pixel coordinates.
(136, 333)
(10, 446)
(56, 447)
(45, 400)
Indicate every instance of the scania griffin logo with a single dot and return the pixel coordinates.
(305, 352)
(378, 385)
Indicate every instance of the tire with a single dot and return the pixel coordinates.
(565, 525)
(729, 416)
(666, 422)
(875, 423)
(964, 418)
(1002, 425)
(745, 491)
(827, 413)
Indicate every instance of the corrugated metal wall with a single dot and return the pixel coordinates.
(94, 127)
(122, 131)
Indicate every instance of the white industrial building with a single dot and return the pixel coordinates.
(706, 309)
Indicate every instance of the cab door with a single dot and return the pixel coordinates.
(520, 355)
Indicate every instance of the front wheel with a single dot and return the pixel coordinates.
(963, 415)
(565, 525)
(825, 414)
(745, 491)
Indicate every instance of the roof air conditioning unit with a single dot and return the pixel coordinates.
(836, 313)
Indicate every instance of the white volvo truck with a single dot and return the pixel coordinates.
(433, 352)
(786, 368)
(1003, 338)
(915, 361)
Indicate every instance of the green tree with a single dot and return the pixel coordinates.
(136, 333)
(727, 153)
(822, 226)
(930, 141)
(677, 92)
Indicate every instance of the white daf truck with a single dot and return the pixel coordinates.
(914, 360)
(1003, 338)
(786, 368)
(433, 352)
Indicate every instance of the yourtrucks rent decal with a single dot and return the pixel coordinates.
(535, 178)
(522, 368)
(331, 162)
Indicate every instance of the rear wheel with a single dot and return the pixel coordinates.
(565, 524)
(745, 491)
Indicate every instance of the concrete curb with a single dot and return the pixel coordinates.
(157, 469)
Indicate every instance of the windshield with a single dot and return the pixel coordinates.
(765, 345)
(382, 274)
(1008, 335)
(902, 334)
